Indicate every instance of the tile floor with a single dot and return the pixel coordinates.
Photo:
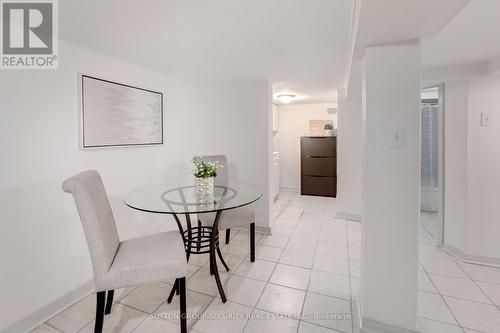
(310, 264)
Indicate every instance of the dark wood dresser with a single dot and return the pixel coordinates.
(318, 165)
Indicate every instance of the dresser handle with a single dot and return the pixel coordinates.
(318, 156)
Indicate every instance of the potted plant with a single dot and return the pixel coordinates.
(204, 173)
(328, 129)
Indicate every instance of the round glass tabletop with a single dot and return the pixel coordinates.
(180, 197)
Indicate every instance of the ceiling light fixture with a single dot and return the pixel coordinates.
(286, 98)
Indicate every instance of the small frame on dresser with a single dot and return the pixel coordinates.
(119, 115)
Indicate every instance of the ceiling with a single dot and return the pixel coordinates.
(389, 21)
(381, 22)
(453, 32)
(472, 36)
(299, 45)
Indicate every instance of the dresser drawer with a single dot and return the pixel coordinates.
(317, 185)
(318, 146)
(319, 166)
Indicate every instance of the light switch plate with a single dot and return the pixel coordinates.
(398, 137)
(486, 120)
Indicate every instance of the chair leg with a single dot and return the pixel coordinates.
(228, 235)
(99, 311)
(182, 296)
(175, 290)
(109, 302)
(252, 242)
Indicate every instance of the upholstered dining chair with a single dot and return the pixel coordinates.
(117, 264)
(229, 218)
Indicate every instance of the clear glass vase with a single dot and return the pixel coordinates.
(205, 201)
(204, 186)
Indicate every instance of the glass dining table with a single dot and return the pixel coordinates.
(180, 197)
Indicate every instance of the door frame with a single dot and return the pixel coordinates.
(441, 160)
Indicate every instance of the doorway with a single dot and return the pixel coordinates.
(431, 172)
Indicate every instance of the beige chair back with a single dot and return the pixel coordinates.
(96, 217)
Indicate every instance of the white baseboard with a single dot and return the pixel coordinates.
(258, 229)
(469, 258)
(289, 189)
(42, 315)
(348, 216)
(374, 326)
(263, 230)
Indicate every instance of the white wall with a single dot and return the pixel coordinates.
(235, 120)
(391, 187)
(294, 123)
(349, 142)
(455, 156)
(43, 252)
(482, 232)
(472, 161)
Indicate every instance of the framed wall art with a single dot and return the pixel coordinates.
(117, 115)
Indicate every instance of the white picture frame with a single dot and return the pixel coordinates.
(114, 114)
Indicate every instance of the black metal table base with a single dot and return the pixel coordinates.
(200, 240)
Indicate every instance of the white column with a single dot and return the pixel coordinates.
(391, 186)
(349, 137)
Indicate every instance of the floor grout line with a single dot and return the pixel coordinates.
(442, 298)
(265, 286)
(477, 285)
(308, 284)
(54, 327)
